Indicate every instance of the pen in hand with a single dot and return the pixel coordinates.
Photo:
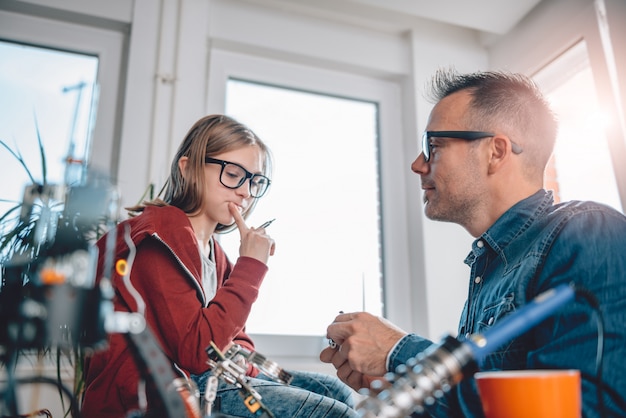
(266, 224)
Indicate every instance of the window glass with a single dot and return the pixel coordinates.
(581, 166)
(325, 198)
(46, 93)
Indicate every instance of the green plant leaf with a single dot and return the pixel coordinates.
(42, 153)
(20, 159)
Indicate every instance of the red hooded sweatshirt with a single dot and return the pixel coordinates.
(167, 273)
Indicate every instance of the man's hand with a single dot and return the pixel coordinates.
(363, 343)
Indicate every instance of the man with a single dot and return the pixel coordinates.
(486, 146)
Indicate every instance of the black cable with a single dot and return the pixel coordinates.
(595, 305)
(9, 396)
(13, 382)
(47, 380)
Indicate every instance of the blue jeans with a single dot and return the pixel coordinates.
(309, 395)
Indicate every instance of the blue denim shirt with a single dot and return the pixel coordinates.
(533, 247)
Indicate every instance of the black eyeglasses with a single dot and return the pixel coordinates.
(234, 176)
(466, 135)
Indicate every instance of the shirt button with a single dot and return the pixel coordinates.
(477, 279)
(467, 335)
(490, 322)
(480, 244)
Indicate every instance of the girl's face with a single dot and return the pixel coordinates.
(218, 196)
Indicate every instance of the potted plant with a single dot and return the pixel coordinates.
(48, 300)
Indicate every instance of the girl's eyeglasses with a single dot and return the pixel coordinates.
(234, 176)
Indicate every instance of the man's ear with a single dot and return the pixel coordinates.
(500, 151)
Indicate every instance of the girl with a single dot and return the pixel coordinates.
(193, 294)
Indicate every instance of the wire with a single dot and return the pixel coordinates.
(141, 306)
(47, 380)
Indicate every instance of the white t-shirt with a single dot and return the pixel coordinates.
(209, 275)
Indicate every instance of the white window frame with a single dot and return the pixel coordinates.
(303, 352)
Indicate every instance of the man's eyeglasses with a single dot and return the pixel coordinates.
(234, 176)
(466, 135)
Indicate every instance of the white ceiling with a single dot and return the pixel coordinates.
(488, 16)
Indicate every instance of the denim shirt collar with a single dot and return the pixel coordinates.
(511, 224)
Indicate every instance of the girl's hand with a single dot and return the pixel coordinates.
(255, 243)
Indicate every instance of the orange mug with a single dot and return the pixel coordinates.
(530, 393)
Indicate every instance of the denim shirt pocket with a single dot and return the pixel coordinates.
(493, 312)
(510, 355)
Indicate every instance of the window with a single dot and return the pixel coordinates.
(325, 198)
(46, 93)
(581, 167)
(380, 225)
(69, 55)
